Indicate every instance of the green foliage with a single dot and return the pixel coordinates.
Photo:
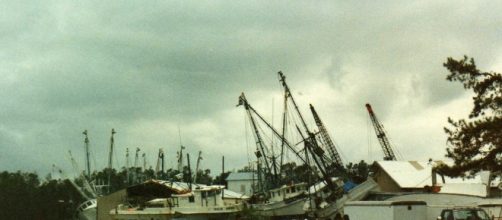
(475, 143)
(358, 172)
(221, 179)
(23, 197)
(204, 177)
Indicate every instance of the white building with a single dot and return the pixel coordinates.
(242, 182)
(416, 176)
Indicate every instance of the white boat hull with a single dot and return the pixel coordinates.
(281, 208)
(87, 210)
(161, 216)
(191, 213)
(335, 210)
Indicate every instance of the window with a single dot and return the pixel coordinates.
(447, 215)
(173, 202)
(243, 188)
(191, 199)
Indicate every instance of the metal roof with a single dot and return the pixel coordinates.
(241, 176)
(409, 174)
(416, 174)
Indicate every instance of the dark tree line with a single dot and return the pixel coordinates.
(23, 196)
(26, 196)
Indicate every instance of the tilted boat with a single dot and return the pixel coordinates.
(320, 207)
(87, 210)
(163, 200)
(287, 200)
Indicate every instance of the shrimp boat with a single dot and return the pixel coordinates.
(87, 210)
(163, 200)
(323, 209)
(287, 200)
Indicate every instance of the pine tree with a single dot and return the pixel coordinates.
(475, 143)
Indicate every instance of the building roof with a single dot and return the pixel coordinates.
(241, 176)
(233, 195)
(408, 174)
(417, 174)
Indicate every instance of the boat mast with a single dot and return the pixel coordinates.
(189, 172)
(310, 143)
(127, 166)
(180, 158)
(261, 154)
(88, 164)
(199, 158)
(243, 101)
(144, 160)
(110, 157)
(136, 157)
(159, 169)
(284, 122)
(136, 166)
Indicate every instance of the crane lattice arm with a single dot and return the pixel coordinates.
(382, 137)
(333, 153)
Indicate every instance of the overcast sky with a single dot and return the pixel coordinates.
(146, 68)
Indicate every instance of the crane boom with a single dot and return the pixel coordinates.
(333, 153)
(382, 137)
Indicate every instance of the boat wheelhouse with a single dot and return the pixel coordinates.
(163, 200)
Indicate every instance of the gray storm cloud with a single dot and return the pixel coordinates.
(146, 69)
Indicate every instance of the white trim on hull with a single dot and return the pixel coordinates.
(227, 212)
(280, 208)
(87, 210)
(330, 210)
